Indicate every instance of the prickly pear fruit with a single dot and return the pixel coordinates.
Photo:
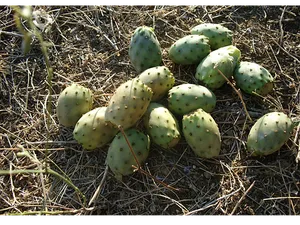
(251, 77)
(224, 59)
(129, 103)
(232, 51)
(202, 133)
(119, 157)
(190, 49)
(161, 125)
(144, 49)
(92, 131)
(159, 79)
(269, 133)
(186, 98)
(218, 35)
(72, 103)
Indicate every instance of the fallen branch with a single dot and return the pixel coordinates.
(239, 94)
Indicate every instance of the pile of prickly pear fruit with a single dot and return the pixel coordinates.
(153, 109)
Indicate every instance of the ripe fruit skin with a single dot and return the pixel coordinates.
(202, 133)
(269, 133)
(72, 103)
(185, 98)
(92, 131)
(190, 49)
(161, 125)
(129, 103)
(144, 49)
(119, 157)
(218, 35)
(251, 77)
(159, 79)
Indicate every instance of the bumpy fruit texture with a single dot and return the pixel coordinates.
(202, 133)
(73, 102)
(92, 131)
(161, 125)
(232, 51)
(119, 157)
(218, 35)
(129, 103)
(144, 49)
(185, 98)
(269, 133)
(224, 59)
(251, 77)
(190, 49)
(159, 79)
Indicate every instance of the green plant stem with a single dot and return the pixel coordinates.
(49, 171)
(44, 49)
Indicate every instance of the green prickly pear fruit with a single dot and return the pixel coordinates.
(185, 98)
(190, 49)
(232, 51)
(144, 49)
(218, 35)
(159, 79)
(92, 131)
(269, 133)
(251, 77)
(129, 103)
(161, 125)
(73, 102)
(119, 156)
(224, 59)
(202, 133)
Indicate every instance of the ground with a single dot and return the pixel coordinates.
(89, 46)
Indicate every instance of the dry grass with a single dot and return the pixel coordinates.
(90, 46)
